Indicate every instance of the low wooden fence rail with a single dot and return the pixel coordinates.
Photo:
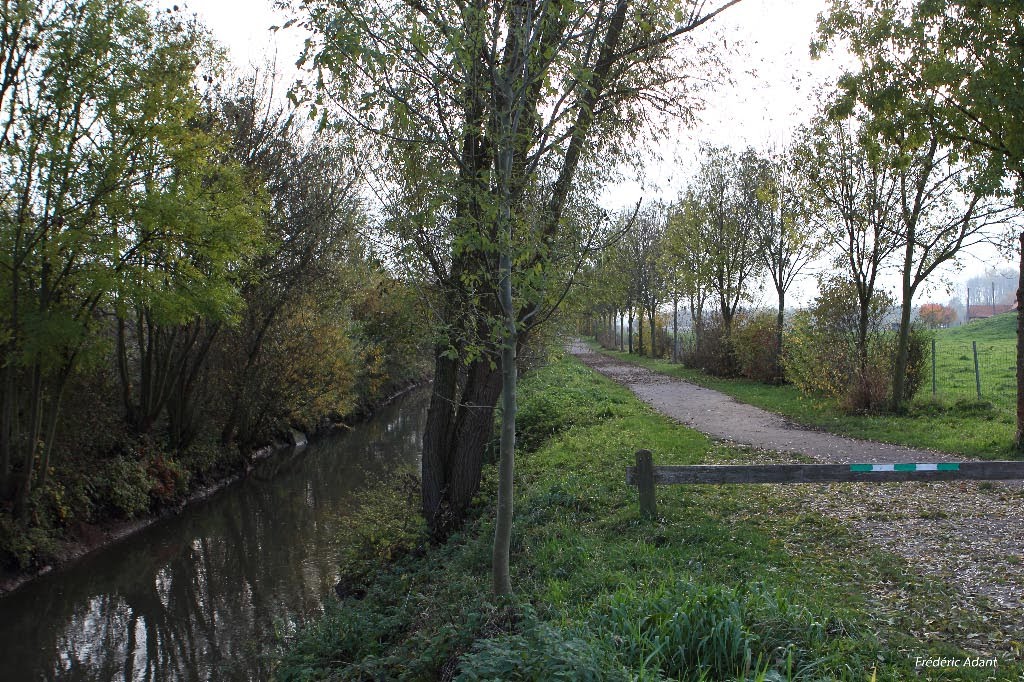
(645, 475)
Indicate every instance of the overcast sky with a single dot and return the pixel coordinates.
(773, 77)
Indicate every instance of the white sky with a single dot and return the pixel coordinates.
(773, 76)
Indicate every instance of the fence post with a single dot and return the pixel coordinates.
(977, 374)
(645, 483)
(933, 367)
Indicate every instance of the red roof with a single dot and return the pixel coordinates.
(980, 312)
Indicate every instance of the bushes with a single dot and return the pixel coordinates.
(824, 354)
(749, 352)
(756, 346)
(711, 352)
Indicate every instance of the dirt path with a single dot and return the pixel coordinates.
(725, 418)
(966, 534)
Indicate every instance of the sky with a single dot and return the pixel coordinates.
(771, 94)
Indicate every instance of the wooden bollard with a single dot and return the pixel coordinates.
(645, 484)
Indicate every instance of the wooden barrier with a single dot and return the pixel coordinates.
(645, 475)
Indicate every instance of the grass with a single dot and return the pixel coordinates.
(728, 583)
(996, 340)
(965, 427)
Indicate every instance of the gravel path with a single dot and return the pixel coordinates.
(725, 418)
(966, 534)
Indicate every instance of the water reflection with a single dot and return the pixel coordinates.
(205, 595)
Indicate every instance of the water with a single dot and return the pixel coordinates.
(204, 596)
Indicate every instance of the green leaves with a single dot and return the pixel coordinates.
(954, 65)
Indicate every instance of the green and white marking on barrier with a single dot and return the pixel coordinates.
(928, 466)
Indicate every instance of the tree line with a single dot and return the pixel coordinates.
(877, 183)
(184, 275)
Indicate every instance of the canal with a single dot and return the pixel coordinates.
(206, 595)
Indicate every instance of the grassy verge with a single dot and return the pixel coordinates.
(967, 428)
(729, 583)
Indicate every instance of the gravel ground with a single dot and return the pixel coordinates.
(967, 534)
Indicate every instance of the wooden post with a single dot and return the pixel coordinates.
(645, 484)
(977, 374)
(933, 367)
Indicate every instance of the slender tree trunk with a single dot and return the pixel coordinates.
(1019, 439)
(6, 430)
(780, 322)
(862, 337)
(654, 350)
(675, 329)
(31, 445)
(502, 583)
(640, 328)
(630, 331)
(899, 377)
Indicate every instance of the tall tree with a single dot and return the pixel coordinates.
(492, 117)
(855, 203)
(642, 243)
(962, 66)
(726, 185)
(944, 203)
(107, 186)
(687, 249)
(786, 239)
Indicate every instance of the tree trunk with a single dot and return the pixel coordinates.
(654, 337)
(630, 331)
(899, 378)
(1019, 439)
(459, 424)
(780, 322)
(862, 336)
(640, 328)
(675, 329)
(502, 582)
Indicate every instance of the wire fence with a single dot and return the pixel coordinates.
(973, 370)
(955, 370)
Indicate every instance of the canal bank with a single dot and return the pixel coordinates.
(89, 538)
(207, 593)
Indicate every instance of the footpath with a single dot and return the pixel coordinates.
(966, 534)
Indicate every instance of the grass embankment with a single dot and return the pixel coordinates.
(729, 582)
(996, 341)
(964, 426)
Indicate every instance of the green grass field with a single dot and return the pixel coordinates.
(996, 340)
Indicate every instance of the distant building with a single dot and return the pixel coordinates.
(982, 312)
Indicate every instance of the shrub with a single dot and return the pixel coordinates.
(169, 479)
(22, 546)
(384, 525)
(711, 352)
(821, 354)
(756, 347)
(126, 487)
